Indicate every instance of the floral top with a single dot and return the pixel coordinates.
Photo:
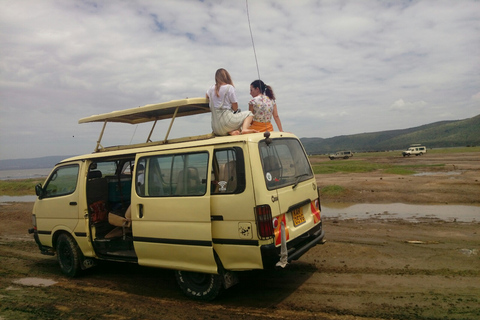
(262, 108)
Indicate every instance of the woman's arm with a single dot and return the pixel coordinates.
(277, 118)
(234, 106)
(250, 107)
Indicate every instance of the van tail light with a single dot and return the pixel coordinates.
(264, 222)
(34, 221)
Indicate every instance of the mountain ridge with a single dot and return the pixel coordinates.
(441, 134)
(447, 133)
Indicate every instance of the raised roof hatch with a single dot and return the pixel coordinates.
(150, 113)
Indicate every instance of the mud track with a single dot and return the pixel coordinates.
(368, 269)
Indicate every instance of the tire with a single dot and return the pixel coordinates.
(68, 255)
(199, 286)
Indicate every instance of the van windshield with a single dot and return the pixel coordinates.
(284, 163)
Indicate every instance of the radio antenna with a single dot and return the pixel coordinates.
(253, 43)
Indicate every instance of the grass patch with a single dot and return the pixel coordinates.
(346, 166)
(328, 167)
(332, 190)
(20, 187)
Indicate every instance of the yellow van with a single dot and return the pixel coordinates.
(204, 206)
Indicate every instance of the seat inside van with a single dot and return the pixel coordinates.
(188, 182)
(97, 196)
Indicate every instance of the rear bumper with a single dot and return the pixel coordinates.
(43, 249)
(296, 248)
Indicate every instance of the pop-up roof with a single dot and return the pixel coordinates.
(152, 112)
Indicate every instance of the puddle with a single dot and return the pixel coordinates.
(17, 199)
(35, 282)
(409, 212)
(449, 173)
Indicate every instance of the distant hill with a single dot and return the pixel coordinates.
(455, 133)
(35, 163)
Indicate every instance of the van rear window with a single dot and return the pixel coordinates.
(284, 163)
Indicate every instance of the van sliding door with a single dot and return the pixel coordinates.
(171, 210)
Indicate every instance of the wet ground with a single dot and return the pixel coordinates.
(373, 268)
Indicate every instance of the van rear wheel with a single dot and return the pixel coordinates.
(68, 255)
(200, 286)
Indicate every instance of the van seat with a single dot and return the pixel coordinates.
(188, 183)
(229, 174)
(97, 196)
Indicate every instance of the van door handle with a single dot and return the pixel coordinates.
(73, 203)
(140, 210)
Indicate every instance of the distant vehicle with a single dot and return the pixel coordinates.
(415, 149)
(341, 155)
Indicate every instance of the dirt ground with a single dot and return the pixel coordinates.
(367, 269)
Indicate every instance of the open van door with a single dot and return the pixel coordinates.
(171, 210)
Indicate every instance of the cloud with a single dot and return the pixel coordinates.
(403, 106)
(337, 67)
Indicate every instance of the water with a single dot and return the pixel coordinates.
(449, 173)
(402, 211)
(17, 199)
(342, 211)
(24, 173)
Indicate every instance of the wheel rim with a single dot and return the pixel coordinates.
(198, 278)
(66, 256)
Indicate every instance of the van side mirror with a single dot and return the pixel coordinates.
(39, 191)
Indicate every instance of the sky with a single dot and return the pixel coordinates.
(336, 67)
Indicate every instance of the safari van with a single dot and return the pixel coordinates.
(207, 207)
(415, 149)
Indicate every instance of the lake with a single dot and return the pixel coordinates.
(24, 173)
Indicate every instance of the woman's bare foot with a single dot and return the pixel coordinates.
(234, 133)
(245, 131)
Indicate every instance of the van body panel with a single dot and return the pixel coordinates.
(170, 229)
(59, 207)
(299, 199)
(239, 257)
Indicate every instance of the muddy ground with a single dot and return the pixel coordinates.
(368, 269)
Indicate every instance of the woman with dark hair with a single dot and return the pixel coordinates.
(224, 106)
(263, 106)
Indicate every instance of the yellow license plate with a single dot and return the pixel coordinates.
(298, 217)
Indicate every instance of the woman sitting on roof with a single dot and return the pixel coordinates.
(226, 118)
(263, 106)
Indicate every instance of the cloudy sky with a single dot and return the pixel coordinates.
(337, 67)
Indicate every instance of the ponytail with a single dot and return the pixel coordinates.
(264, 89)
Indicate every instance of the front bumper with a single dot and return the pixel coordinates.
(43, 249)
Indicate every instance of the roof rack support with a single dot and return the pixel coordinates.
(151, 131)
(171, 123)
(99, 146)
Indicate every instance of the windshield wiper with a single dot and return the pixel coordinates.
(297, 179)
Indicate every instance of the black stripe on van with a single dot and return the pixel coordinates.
(174, 241)
(44, 232)
(80, 234)
(236, 242)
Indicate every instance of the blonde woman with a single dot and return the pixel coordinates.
(224, 106)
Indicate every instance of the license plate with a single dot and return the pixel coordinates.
(298, 217)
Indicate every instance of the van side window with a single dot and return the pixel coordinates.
(172, 175)
(228, 171)
(63, 181)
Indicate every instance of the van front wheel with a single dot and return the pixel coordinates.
(200, 286)
(68, 255)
